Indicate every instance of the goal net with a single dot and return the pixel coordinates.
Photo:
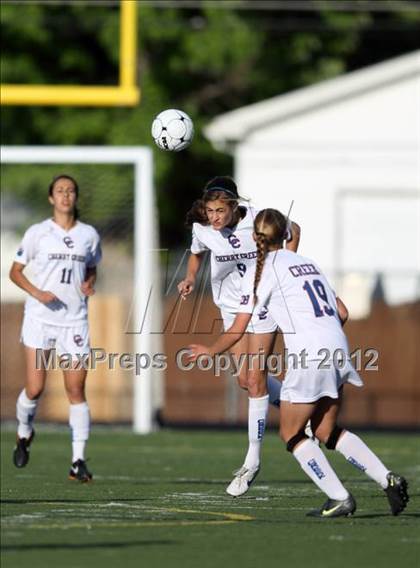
(117, 198)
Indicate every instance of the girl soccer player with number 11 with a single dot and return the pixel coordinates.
(311, 317)
(63, 254)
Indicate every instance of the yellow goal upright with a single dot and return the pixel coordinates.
(126, 93)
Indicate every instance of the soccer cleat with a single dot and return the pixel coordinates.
(397, 493)
(242, 481)
(333, 508)
(80, 472)
(21, 451)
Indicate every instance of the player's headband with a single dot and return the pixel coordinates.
(228, 191)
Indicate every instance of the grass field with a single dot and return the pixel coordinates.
(160, 501)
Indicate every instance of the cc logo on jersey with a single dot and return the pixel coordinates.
(68, 242)
(78, 340)
(262, 315)
(234, 241)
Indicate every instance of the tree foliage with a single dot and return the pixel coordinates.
(204, 60)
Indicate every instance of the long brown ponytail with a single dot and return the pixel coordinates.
(270, 228)
(262, 250)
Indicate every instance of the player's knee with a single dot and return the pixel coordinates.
(295, 440)
(76, 399)
(333, 437)
(76, 395)
(256, 384)
(243, 381)
(34, 393)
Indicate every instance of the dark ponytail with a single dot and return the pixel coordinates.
(197, 213)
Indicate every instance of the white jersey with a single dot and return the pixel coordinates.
(233, 252)
(59, 260)
(301, 301)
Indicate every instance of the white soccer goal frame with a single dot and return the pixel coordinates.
(146, 267)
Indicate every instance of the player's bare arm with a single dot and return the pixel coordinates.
(186, 286)
(343, 312)
(88, 285)
(17, 276)
(225, 341)
(293, 244)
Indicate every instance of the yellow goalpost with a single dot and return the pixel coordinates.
(126, 93)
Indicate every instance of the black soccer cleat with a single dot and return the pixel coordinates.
(397, 493)
(333, 508)
(21, 451)
(80, 472)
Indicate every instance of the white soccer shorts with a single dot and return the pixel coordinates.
(312, 383)
(260, 323)
(66, 340)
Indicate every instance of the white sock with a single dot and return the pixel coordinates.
(25, 414)
(80, 424)
(274, 388)
(257, 418)
(358, 454)
(315, 464)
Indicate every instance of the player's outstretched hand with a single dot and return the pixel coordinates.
(197, 350)
(185, 287)
(87, 288)
(45, 297)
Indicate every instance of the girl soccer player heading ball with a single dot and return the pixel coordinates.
(223, 226)
(63, 253)
(302, 303)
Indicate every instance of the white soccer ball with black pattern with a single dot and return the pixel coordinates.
(172, 130)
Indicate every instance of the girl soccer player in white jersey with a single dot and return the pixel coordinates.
(311, 317)
(63, 254)
(222, 226)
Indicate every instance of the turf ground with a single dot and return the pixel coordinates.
(160, 501)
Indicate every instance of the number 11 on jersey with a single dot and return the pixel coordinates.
(66, 276)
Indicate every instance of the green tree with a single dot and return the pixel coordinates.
(204, 60)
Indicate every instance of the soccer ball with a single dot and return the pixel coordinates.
(172, 130)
